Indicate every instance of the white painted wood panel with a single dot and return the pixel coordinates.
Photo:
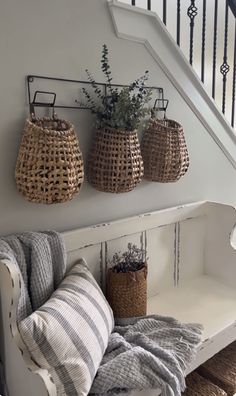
(161, 258)
(93, 255)
(104, 232)
(120, 245)
(202, 300)
(190, 247)
(220, 258)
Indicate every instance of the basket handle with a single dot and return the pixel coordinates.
(37, 103)
(157, 107)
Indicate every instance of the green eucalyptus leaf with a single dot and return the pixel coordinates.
(122, 109)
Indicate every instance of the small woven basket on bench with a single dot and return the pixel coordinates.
(164, 151)
(49, 166)
(115, 163)
(127, 292)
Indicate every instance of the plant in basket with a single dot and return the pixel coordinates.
(127, 283)
(115, 163)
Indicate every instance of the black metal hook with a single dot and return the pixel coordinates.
(165, 103)
(49, 104)
(36, 103)
(163, 107)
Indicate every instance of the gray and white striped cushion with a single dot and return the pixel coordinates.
(68, 335)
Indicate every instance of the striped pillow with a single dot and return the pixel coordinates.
(68, 335)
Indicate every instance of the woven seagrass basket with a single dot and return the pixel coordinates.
(115, 163)
(49, 166)
(127, 292)
(221, 369)
(164, 151)
(199, 386)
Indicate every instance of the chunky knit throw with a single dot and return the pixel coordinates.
(148, 352)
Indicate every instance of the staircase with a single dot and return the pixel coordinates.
(206, 33)
(144, 26)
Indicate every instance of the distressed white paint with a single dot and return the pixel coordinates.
(192, 268)
(159, 43)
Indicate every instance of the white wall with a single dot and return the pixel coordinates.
(59, 38)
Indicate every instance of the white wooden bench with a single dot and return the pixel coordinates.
(192, 276)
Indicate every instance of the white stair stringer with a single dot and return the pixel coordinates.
(137, 24)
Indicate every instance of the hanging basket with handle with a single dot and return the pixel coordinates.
(115, 163)
(164, 151)
(49, 167)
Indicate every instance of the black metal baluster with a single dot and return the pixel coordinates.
(192, 13)
(203, 39)
(214, 49)
(149, 6)
(133, 2)
(164, 11)
(178, 23)
(224, 69)
(234, 80)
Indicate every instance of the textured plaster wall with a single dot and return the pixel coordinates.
(63, 38)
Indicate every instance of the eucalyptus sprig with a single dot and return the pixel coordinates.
(120, 109)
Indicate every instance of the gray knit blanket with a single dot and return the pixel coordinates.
(148, 352)
(40, 259)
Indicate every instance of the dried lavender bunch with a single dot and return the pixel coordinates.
(130, 261)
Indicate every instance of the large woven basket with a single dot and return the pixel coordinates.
(115, 163)
(164, 151)
(127, 292)
(199, 386)
(221, 369)
(49, 166)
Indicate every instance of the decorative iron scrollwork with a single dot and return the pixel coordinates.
(192, 13)
(224, 68)
(192, 10)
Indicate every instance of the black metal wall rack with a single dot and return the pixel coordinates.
(160, 102)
